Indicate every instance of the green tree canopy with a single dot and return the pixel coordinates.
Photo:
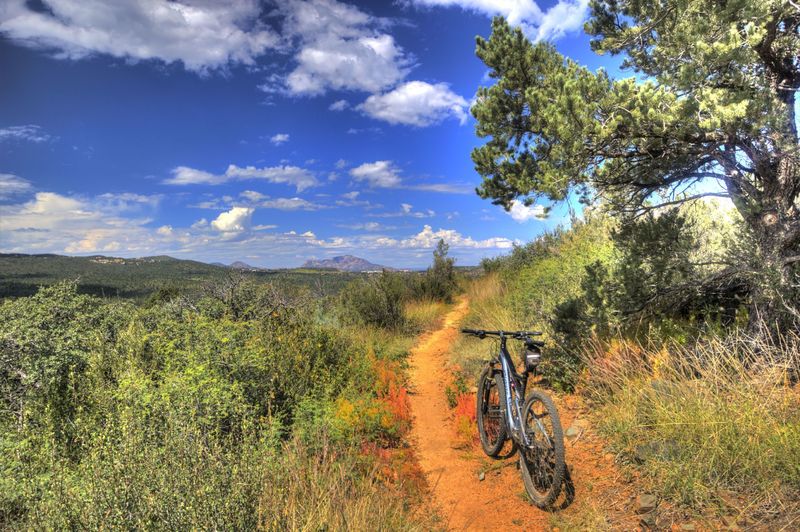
(714, 100)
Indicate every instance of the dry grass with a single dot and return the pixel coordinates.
(423, 315)
(489, 309)
(323, 492)
(716, 422)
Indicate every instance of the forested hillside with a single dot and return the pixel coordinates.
(21, 275)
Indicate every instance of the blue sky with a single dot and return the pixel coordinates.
(264, 132)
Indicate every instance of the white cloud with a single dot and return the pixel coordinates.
(11, 185)
(30, 132)
(367, 226)
(447, 188)
(406, 210)
(381, 174)
(563, 17)
(291, 204)
(521, 213)
(279, 138)
(416, 103)
(55, 223)
(428, 238)
(252, 195)
(289, 175)
(201, 34)
(341, 48)
(339, 105)
(235, 220)
(384, 174)
(127, 201)
(52, 222)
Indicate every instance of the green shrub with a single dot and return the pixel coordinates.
(378, 301)
(174, 415)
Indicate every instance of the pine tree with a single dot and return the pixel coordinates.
(715, 100)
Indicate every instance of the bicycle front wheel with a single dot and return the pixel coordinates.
(542, 463)
(491, 424)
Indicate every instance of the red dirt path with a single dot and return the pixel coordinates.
(497, 503)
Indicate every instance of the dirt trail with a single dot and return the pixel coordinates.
(497, 502)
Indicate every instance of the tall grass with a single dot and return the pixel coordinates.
(723, 414)
(423, 315)
(489, 309)
(324, 491)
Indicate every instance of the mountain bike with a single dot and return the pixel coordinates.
(531, 423)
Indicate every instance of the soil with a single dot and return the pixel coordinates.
(498, 502)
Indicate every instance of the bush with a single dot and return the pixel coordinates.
(175, 415)
(376, 301)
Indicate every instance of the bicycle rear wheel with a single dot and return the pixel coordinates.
(491, 424)
(542, 463)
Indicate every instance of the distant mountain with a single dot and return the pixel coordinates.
(239, 265)
(137, 278)
(344, 263)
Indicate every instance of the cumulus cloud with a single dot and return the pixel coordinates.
(339, 105)
(11, 185)
(522, 213)
(428, 238)
(563, 17)
(341, 48)
(52, 222)
(235, 220)
(56, 223)
(29, 133)
(382, 174)
(416, 103)
(279, 138)
(288, 175)
(200, 34)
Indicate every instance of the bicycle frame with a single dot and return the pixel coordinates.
(513, 409)
(513, 380)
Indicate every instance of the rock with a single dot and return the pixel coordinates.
(646, 503)
(572, 433)
(481, 476)
(609, 457)
(648, 522)
(688, 527)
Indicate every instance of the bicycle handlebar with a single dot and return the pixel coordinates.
(480, 333)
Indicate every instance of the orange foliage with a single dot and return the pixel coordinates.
(465, 419)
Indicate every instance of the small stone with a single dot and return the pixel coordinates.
(572, 433)
(648, 522)
(481, 476)
(688, 527)
(646, 503)
(609, 457)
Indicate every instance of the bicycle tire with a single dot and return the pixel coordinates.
(543, 467)
(492, 443)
